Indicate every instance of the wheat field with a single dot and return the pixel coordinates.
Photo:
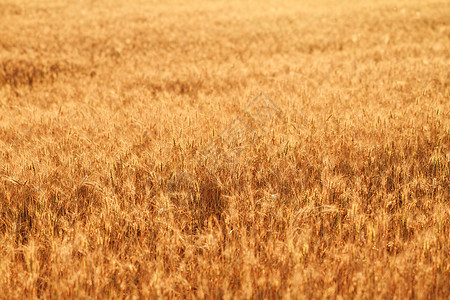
(225, 149)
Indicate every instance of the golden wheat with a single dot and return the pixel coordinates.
(224, 149)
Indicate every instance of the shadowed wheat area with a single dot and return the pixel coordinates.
(224, 149)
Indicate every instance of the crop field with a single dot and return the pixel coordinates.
(225, 149)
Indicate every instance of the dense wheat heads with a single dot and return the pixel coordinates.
(224, 150)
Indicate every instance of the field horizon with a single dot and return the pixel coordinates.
(224, 149)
